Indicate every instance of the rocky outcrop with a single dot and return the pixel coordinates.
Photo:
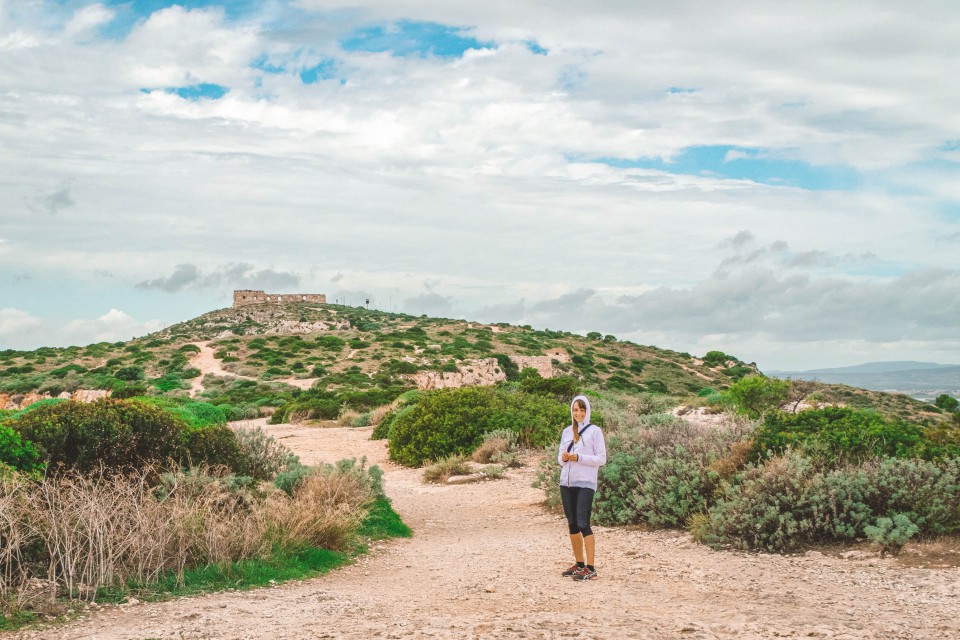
(32, 397)
(482, 372)
(24, 401)
(89, 395)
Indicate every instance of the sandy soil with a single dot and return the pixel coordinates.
(485, 561)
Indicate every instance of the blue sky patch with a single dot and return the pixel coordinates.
(131, 12)
(324, 71)
(198, 91)
(408, 38)
(535, 47)
(263, 64)
(742, 163)
(680, 90)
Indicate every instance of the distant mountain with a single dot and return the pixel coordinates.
(872, 367)
(924, 380)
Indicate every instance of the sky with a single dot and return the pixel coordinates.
(778, 181)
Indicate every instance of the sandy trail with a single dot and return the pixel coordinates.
(485, 563)
(207, 363)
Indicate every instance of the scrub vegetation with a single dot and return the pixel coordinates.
(151, 491)
(764, 478)
(157, 496)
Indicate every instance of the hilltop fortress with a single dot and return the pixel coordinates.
(244, 297)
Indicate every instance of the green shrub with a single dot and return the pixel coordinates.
(757, 395)
(118, 434)
(508, 366)
(16, 453)
(891, 533)
(362, 420)
(771, 507)
(643, 486)
(192, 413)
(382, 430)
(61, 372)
(265, 456)
(789, 501)
(716, 358)
(840, 433)
(216, 445)
(130, 374)
(561, 388)
(452, 421)
(947, 402)
(169, 382)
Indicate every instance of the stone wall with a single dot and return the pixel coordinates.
(485, 371)
(244, 297)
(543, 364)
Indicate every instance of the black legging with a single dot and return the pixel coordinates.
(577, 503)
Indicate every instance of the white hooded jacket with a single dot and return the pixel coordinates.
(591, 449)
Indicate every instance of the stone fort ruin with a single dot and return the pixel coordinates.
(244, 297)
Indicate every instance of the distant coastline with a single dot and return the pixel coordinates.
(920, 380)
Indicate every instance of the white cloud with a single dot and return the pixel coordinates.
(87, 19)
(113, 326)
(475, 172)
(14, 323)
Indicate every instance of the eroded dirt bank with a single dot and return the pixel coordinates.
(485, 563)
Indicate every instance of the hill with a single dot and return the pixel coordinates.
(264, 355)
(299, 345)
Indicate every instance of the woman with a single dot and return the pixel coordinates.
(582, 451)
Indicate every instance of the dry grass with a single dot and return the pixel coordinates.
(324, 511)
(440, 471)
(377, 414)
(490, 449)
(72, 534)
(347, 417)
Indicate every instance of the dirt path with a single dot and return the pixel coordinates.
(207, 363)
(485, 563)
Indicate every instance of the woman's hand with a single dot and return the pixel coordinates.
(569, 457)
(565, 456)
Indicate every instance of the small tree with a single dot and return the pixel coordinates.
(799, 391)
(946, 401)
(756, 395)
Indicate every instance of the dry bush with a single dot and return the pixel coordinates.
(96, 530)
(208, 521)
(377, 414)
(347, 417)
(15, 535)
(440, 471)
(490, 448)
(324, 511)
(735, 460)
(83, 532)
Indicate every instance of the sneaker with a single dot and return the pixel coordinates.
(573, 570)
(585, 574)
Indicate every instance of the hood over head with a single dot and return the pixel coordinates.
(586, 419)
